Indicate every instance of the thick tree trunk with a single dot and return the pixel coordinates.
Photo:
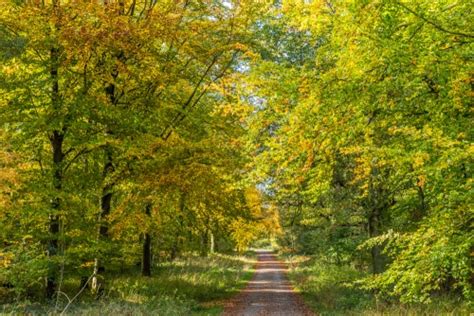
(146, 265)
(374, 231)
(106, 199)
(146, 258)
(105, 208)
(56, 139)
(378, 205)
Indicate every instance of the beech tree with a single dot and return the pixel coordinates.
(133, 132)
(88, 89)
(364, 143)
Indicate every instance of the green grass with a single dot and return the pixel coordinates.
(189, 286)
(327, 290)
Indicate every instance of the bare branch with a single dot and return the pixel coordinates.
(75, 296)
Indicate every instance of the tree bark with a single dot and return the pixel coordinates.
(175, 249)
(212, 243)
(374, 231)
(56, 139)
(105, 208)
(377, 205)
(107, 194)
(420, 211)
(106, 200)
(204, 242)
(146, 258)
(54, 218)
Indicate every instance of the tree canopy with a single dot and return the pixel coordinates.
(134, 131)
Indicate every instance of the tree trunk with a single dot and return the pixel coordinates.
(105, 208)
(106, 200)
(146, 265)
(54, 217)
(177, 243)
(174, 251)
(146, 258)
(56, 139)
(374, 231)
(420, 211)
(204, 243)
(377, 205)
(212, 243)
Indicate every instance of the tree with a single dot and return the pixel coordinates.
(87, 87)
(354, 138)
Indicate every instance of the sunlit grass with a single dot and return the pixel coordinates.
(193, 278)
(189, 286)
(327, 290)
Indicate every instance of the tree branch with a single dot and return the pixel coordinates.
(434, 24)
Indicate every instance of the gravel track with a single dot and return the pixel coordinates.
(268, 293)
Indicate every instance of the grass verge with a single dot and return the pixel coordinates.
(189, 286)
(326, 288)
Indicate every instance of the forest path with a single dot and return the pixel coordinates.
(268, 293)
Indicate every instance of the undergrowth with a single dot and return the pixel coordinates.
(329, 289)
(189, 286)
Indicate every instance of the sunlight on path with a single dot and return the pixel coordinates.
(269, 292)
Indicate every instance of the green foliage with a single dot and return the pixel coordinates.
(332, 290)
(328, 287)
(23, 265)
(190, 286)
(371, 134)
(137, 129)
(446, 267)
(114, 120)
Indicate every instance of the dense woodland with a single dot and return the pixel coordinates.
(136, 132)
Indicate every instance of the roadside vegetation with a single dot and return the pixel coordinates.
(331, 289)
(365, 143)
(191, 285)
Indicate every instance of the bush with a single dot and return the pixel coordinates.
(327, 287)
(330, 289)
(23, 266)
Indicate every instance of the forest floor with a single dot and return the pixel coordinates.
(329, 290)
(191, 285)
(268, 293)
(228, 284)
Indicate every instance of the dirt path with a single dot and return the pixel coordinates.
(269, 292)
